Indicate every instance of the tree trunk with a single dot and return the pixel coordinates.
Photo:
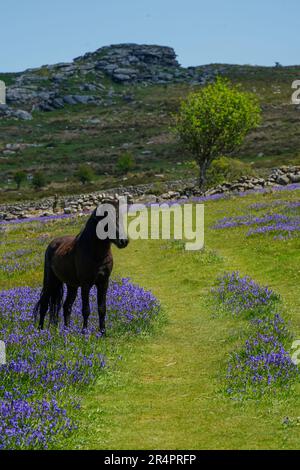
(202, 175)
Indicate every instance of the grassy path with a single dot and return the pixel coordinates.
(165, 392)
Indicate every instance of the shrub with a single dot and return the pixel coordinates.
(19, 177)
(157, 188)
(85, 174)
(125, 163)
(39, 180)
(227, 169)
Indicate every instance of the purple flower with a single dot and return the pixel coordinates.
(46, 368)
(238, 294)
(262, 364)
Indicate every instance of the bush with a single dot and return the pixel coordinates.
(85, 174)
(19, 177)
(125, 163)
(157, 188)
(39, 180)
(227, 169)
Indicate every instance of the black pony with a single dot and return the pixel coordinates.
(79, 261)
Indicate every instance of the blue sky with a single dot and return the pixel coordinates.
(37, 32)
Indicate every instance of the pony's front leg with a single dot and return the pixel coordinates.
(102, 287)
(85, 297)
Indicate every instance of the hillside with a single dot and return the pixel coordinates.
(120, 99)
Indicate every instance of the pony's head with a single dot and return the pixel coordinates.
(110, 224)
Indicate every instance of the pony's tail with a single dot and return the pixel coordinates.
(51, 295)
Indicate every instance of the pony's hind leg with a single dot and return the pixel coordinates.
(42, 308)
(70, 299)
(51, 295)
(85, 294)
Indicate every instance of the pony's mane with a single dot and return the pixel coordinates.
(66, 247)
(70, 244)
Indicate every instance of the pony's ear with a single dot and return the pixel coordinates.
(106, 199)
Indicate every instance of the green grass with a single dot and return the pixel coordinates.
(165, 392)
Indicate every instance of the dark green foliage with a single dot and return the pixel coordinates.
(125, 163)
(39, 180)
(19, 177)
(85, 174)
(227, 169)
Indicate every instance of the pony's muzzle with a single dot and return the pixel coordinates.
(122, 243)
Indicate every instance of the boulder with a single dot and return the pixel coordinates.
(295, 178)
(9, 112)
(283, 180)
(121, 77)
(147, 199)
(21, 114)
(67, 210)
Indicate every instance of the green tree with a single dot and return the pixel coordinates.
(125, 162)
(19, 177)
(85, 174)
(215, 121)
(39, 180)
